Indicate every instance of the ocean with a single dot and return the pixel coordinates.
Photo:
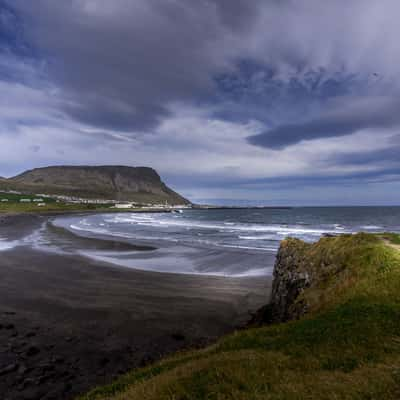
(228, 242)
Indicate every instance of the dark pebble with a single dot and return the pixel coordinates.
(8, 369)
(58, 360)
(104, 361)
(67, 387)
(32, 351)
(22, 369)
(178, 336)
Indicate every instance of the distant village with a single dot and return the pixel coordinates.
(42, 200)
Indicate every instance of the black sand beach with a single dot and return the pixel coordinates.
(68, 323)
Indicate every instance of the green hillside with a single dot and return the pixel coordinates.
(346, 347)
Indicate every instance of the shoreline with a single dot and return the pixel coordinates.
(69, 323)
(168, 256)
(47, 213)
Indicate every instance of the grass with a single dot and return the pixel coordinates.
(15, 197)
(347, 347)
(49, 207)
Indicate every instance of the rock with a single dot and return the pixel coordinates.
(67, 387)
(306, 275)
(33, 393)
(28, 382)
(146, 360)
(104, 361)
(32, 351)
(46, 367)
(43, 378)
(22, 370)
(8, 369)
(291, 277)
(178, 336)
(58, 360)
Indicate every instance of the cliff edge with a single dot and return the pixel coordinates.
(309, 277)
(337, 304)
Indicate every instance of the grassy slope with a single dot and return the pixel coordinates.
(348, 346)
(50, 207)
(13, 206)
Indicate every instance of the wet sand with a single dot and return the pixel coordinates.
(68, 323)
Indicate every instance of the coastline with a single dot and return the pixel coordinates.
(70, 323)
(330, 330)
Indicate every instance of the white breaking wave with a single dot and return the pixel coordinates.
(89, 228)
(175, 266)
(250, 247)
(259, 237)
(232, 244)
(180, 229)
(222, 227)
(254, 272)
(7, 245)
(371, 227)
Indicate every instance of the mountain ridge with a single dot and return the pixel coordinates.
(108, 182)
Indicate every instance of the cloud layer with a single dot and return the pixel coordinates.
(246, 97)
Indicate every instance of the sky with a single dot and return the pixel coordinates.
(279, 102)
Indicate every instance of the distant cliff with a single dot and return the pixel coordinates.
(139, 184)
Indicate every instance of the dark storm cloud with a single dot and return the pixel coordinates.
(199, 77)
(386, 157)
(348, 119)
(9, 28)
(121, 63)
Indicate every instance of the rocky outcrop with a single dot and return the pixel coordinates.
(308, 277)
(291, 277)
(139, 184)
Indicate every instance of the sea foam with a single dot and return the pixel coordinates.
(7, 245)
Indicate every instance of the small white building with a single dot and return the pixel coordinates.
(123, 205)
(4, 200)
(41, 204)
(24, 200)
(38, 200)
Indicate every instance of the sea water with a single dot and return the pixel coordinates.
(235, 242)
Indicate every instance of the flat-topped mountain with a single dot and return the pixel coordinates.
(139, 184)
